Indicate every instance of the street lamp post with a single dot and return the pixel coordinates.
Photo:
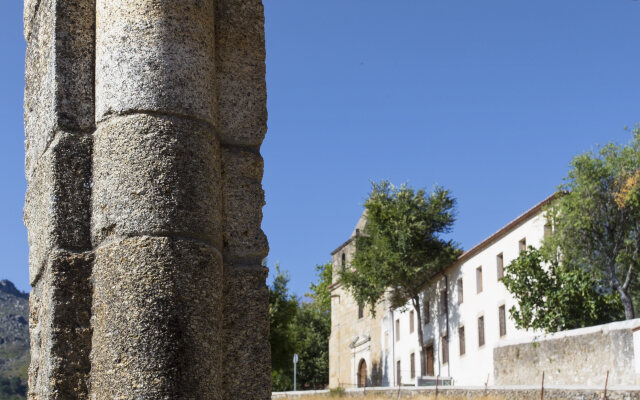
(295, 361)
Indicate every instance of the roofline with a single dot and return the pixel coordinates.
(500, 233)
(342, 245)
(488, 241)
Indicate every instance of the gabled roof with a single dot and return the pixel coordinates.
(504, 230)
(359, 228)
(480, 246)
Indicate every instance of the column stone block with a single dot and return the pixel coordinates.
(246, 333)
(59, 323)
(156, 320)
(240, 72)
(57, 203)
(155, 56)
(156, 175)
(59, 73)
(243, 201)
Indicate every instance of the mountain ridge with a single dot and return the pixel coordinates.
(14, 341)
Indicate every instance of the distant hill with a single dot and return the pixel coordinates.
(14, 341)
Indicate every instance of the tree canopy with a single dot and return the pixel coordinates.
(302, 328)
(585, 272)
(401, 246)
(597, 220)
(552, 297)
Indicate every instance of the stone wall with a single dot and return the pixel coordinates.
(576, 357)
(493, 393)
(143, 123)
(353, 339)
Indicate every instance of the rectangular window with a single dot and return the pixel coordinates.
(502, 317)
(479, 280)
(445, 349)
(411, 327)
(500, 265)
(461, 338)
(460, 292)
(397, 330)
(413, 365)
(398, 376)
(360, 311)
(480, 331)
(427, 314)
(522, 245)
(547, 230)
(443, 302)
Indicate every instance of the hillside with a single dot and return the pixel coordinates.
(14, 341)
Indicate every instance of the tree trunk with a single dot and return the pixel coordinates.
(423, 363)
(626, 303)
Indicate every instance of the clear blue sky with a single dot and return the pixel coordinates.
(490, 99)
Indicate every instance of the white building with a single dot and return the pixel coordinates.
(466, 303)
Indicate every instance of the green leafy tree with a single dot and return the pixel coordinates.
(401, 247)
(313, 327)
(597, 221)
(552, 297)
(283, 308)
(320, 291)
(12, 388)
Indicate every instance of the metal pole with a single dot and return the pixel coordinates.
(606, 380)
(295, 362)
(485, 385)
(542, 387)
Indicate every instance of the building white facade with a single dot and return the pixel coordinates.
(465, 312)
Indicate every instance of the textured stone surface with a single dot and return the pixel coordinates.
(59, 73)
(30, 7)
(156, 320)
(240, 72)
(498, 393)
(246, 333)
(157, 175)
(155, 55)
(575, 359)
(57, 205)
(60, 309)
(129, 208)
(243, 201)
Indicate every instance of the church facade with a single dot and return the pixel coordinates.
(465, 313)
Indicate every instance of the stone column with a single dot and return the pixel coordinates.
(157, 215)
(241, 120)
(59, 122)
(144, 199)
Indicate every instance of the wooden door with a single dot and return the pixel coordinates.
(430, 361)
(362, 374)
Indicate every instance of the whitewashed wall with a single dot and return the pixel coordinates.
(475, 367)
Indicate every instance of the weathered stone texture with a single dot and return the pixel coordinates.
(571, 359)
(155, 56)
(156, 175)
(246, 332)
(496, 393)
(59, 74)
(57, 205)
(156, 320)
(243, 201)
(143, 121)
(58, 122)
(60, 310)
(240, 72)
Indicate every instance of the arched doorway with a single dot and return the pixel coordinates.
(362, 373)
